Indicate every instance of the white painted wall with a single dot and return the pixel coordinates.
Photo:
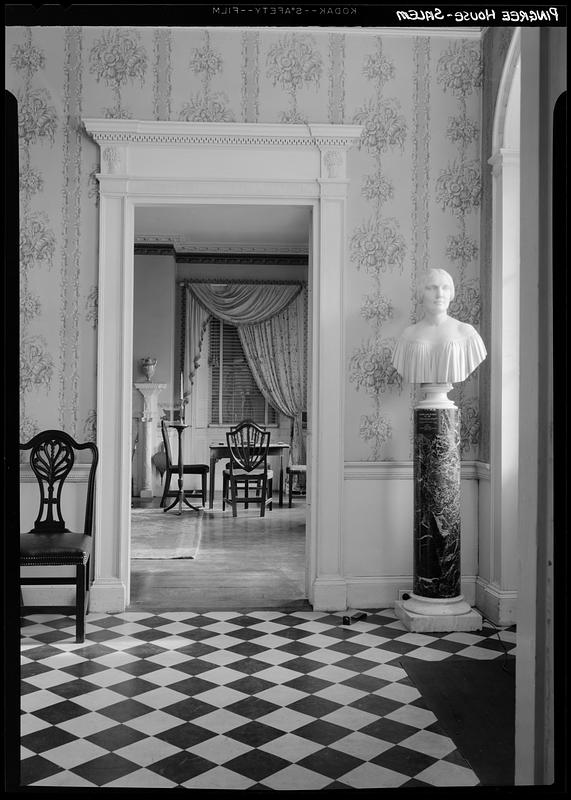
(153, 335)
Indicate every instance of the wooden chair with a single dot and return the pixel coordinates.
(248, 445)
(171, 468)
(50, 543)
(291, 472)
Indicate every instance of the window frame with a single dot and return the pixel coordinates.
(224, 425)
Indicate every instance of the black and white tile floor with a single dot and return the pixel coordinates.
(231, 700)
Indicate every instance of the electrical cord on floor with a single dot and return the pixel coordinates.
(497, 630)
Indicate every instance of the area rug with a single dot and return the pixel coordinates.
(474, 701)
(159, 535)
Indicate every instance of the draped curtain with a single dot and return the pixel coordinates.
(275, 350)
(271, 324)
(244, 304)
(195, 322)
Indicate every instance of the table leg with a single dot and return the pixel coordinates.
(211, 486)
(281, 493)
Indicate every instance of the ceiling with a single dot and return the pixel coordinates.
(214, 224)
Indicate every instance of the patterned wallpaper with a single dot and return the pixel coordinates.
(414, 197)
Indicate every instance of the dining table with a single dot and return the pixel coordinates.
(220, 450)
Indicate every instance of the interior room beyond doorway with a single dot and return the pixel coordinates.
(243, 560)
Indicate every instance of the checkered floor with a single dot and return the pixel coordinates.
(231, 700)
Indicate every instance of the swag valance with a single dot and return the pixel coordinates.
(244, 304)
(270, 319)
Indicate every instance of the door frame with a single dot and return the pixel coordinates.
(161, 163)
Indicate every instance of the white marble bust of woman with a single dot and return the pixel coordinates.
(439, 348)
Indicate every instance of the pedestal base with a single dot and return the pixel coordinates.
(146, 494)
(436, 623)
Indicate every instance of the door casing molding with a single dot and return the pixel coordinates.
(145, 163)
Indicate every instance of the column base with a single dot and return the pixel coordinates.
(436, 606)
(147, 494)
(453, 614)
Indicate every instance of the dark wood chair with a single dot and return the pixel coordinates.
(171, 468)
(50, 543)
(299, 470)
(248, 445)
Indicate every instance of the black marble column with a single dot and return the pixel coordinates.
(437, 568)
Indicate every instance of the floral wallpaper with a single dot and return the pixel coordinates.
(458, 192)
(414, 194)
(118, 59)
(293, 63)
(37, 125)
(377, 246)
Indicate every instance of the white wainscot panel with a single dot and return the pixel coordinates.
(378, 532)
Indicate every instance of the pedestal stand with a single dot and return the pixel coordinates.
(436, 603)
(150, 392)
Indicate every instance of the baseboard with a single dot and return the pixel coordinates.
(104, 597)
(329, 594)
(108, 597)
(338, 594)
(499, 606)
(383, 592)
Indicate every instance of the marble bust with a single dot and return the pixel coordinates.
(438, 348)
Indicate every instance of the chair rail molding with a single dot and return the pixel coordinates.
(146, 163)
(403, 470)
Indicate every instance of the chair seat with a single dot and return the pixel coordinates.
(193, 469)
(255, 473)
(54, 548)
(297, 468)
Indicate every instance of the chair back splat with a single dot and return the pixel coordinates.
(248, 444)
(52, 458)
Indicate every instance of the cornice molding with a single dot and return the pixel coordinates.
(180, 244)
(220, 279)
(148, 249)
(220, 255)
(175, 132)
(244, 259)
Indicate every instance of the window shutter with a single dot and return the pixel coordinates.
(235, 394)
(214, 363)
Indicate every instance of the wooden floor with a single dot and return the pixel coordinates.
(243, 562)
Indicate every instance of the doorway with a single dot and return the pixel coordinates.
(168, 163)
(219, 561)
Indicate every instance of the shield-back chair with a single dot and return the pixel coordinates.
(248, 444)
(50, 543)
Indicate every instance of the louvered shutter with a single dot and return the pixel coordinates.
(235, 395)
